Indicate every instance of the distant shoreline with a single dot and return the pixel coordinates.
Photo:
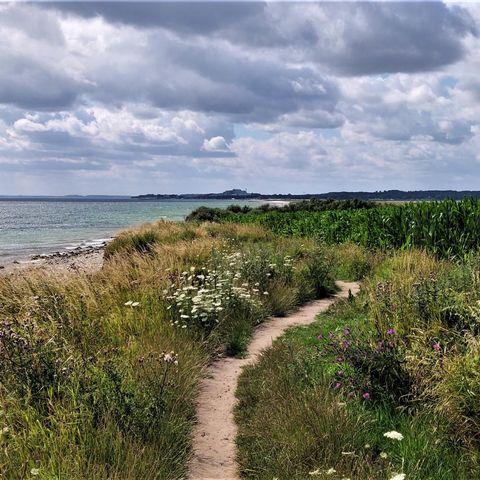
(384, 195)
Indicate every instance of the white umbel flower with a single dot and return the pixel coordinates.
(393, 435)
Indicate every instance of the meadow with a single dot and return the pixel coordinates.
(100, 371)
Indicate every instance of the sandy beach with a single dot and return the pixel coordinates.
(87, 260)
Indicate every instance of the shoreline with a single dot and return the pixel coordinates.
(87, 259)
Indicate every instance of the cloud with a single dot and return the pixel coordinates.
(215, 144)
(275, 96)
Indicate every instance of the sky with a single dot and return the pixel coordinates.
(131, 98)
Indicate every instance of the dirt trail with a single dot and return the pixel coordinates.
(214, 435)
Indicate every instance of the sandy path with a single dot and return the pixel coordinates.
(214, 435)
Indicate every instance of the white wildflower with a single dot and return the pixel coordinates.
(398, 476)
(315, 472)
(393, 435)
(330, 471)
(127, 304)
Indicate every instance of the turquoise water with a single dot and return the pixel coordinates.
(33, 227)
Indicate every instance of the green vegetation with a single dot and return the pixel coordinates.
(448, 228)
(403, 356)
(99, 372)
(208, 214)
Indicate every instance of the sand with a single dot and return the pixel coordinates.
(88, 260)
(214, 435)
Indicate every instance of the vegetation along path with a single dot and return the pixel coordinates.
(214, 436)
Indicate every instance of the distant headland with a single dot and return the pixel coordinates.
(383, 195)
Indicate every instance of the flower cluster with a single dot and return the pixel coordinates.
(201, 294)
(372, 369)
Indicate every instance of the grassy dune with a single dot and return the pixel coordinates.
(99, 372)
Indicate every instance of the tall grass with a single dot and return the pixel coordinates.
(447, 228)
(99, 372)
(403, 356)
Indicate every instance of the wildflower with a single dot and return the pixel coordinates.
(366, 396)
(170, 358)
(330, 471)
(398, 476)
(315, 472)
(265, 293)
(436, 346)
(346, 332)
(135, 304)
(391, 331)
(127, 304)
(393, 435)
(35, 471)
(383, 455)
(338, 385)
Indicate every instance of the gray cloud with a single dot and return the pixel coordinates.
(188, 17)
(312, 96)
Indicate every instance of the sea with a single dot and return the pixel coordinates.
(39, 226)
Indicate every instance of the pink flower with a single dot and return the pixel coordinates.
(436, 346)
(338, 385)
(391, 331)
(366, 396)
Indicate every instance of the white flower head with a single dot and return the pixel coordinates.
(127, 304)
(393, 435)
(330, 471)
(398, 476)
(315, 472)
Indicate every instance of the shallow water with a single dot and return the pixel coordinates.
(30, 227)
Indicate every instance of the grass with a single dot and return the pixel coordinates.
(99, 372)
(447, 228)
(302, 411)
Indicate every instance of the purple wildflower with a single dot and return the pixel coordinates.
(391, 331)
(338, 385)
(366, 396)
(436, 346)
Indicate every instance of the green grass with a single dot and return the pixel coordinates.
(298, 413)
(89, 387)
